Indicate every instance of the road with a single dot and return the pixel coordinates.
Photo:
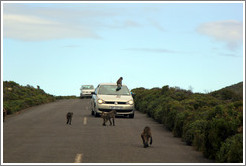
(40, 135)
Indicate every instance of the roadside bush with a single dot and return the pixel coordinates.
(200, 128)
(151, 106)
(218, 131)
(173, 108)
(179, 123)
(231, 150)
(209, 122)
(158, 113)
(65, 97)
(14, 106)
(170, 120)
(143, 106)
(17, 97)
(194, 133)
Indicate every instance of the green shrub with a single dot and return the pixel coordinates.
(205, 121)
(220, 129)
(194, 133)
(200, 128)
(179, 123)
(16, 97)
(151, 107)
(158, 113)
(231, 150)
(188, 133)
(171, 116)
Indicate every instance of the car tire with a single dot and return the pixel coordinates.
(96, 114)
(131, 116)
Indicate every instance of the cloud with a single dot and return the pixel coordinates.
(33, 28)
(228, 55)
(71, 46)
(153, 50)
(36, 23)
(120, 24)
(228, 31)
(157, 25)
(130, 23)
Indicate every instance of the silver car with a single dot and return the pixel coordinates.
(107, 98)
(86, 91)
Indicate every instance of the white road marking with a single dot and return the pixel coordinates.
(78, 158)
(85, 120)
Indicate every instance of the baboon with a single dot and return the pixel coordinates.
(69, 117)
(107, 117)
(4, 114)
(119, 83)
(146, 137)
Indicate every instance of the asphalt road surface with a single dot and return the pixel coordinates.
(40, 135)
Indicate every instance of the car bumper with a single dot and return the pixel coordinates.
(121, 110)
(85, 95)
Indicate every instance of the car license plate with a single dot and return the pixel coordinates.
(115, 107)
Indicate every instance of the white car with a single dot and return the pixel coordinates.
(86, 91)
(107, 98)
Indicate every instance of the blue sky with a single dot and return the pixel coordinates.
(61, 46)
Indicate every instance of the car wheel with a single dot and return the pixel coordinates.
(96, 114)
(131, 116)
(91, 107)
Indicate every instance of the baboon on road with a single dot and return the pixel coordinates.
(69, 117)
(107, 117)
(146, 137)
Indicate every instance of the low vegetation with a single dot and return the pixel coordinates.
(212, 123)
(17, 97)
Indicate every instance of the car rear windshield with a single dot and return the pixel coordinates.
(87, 87)
(111, 90)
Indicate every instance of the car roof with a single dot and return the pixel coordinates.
(86, 85)
(109, 84)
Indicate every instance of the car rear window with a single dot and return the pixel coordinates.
(111, 90)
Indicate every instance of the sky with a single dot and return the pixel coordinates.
(63, 45)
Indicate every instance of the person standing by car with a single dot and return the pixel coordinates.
(119, 83)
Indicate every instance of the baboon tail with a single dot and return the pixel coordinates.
(150, 140)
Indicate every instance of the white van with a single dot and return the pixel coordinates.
(86, 91)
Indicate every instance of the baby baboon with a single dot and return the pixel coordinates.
(69, 117)
(107, 117)
(146, 137)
